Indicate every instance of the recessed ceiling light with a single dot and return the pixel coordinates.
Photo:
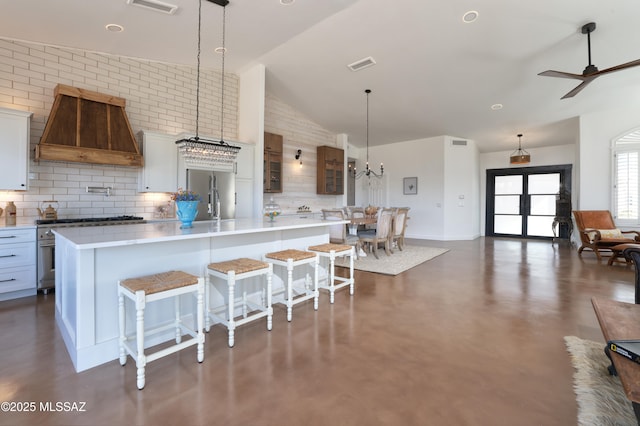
(287, 2)
(470, 16)
(114, 28)
(220, 49)
(496, 107)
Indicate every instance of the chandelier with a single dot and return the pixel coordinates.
(520, 156)
(198, 151)
(367, 171)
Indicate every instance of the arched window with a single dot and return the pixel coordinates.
(626, 178)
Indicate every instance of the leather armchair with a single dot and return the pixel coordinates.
(598, 231)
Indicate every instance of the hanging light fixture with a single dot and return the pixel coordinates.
(198, 151)
(520, 156)
(367, 171)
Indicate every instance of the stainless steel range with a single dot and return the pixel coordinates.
(47, 242)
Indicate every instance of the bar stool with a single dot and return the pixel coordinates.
(232, 271)
(151, 288)
(290, 259)
(331, 251)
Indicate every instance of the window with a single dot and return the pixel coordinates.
(626, 178)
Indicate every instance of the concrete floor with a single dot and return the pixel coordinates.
(472, 337)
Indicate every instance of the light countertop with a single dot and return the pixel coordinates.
(21, 223)
(91, 237)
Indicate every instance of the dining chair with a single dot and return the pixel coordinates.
(399, 225)
(373, 237)
(338, 233)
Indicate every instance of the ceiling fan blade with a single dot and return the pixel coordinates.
(578, 88)
(620, 67)
(561, 74)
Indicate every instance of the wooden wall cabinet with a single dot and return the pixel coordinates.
(272, 172)
(330, 170)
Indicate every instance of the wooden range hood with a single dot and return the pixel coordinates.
(88, 127)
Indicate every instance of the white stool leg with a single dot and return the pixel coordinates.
(316, 293)
(351, 284)
(289, 289)
(269, 307)
(200, 319)
(231, 283)
(176, 307)
(141, 360)
(332, 276)
(207, 320)
(122, 326)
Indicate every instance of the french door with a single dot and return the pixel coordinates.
(521, 202)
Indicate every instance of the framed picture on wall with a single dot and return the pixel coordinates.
(410, 185)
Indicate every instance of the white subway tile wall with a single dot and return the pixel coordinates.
(299, 185)
(160, 97)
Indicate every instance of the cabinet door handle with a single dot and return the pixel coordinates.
(6, 281)
(8, 255)
(10, 236)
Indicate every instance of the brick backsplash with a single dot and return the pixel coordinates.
(160, 97)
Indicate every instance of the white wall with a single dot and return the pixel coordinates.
(462, 190)
(597, 131)
(424, 159)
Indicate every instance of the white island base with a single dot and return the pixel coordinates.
(91, 260)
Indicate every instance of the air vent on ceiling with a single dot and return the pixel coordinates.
(155, 5)
(459, 142)
(362, 64)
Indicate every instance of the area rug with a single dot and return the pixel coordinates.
(601, 399)
(398, 262)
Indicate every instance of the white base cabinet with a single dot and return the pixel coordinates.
(17, 263)
(14, 149)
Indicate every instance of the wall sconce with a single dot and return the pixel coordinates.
(298, 155)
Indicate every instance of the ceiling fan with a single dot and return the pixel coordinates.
(591, 71)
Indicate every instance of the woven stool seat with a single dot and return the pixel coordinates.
(292, 295)
(330, 251)
(326, 248)
(285, 255)
(152, 288)
(157, 283)
(230, 272)
(240, 266)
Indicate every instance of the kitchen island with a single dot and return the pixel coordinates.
(90, 261)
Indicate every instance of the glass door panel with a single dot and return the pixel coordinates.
(507, 202)
(508, 185)
(543, 205)
(542, 190)
(504, 224)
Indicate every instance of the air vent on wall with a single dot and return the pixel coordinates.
(459, 142)
(155, 5)
(362, 64)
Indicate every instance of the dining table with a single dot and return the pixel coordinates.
(355, 222)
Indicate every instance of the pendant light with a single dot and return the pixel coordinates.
(367, 171)
(520, 156)
(198, 151)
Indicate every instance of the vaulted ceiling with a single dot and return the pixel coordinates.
(434, 74)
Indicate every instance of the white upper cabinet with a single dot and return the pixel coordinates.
(160, 171)
(244, 161)
(14, 149)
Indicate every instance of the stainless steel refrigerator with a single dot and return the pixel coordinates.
(218, 191)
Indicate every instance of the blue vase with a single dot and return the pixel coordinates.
(186, 212)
